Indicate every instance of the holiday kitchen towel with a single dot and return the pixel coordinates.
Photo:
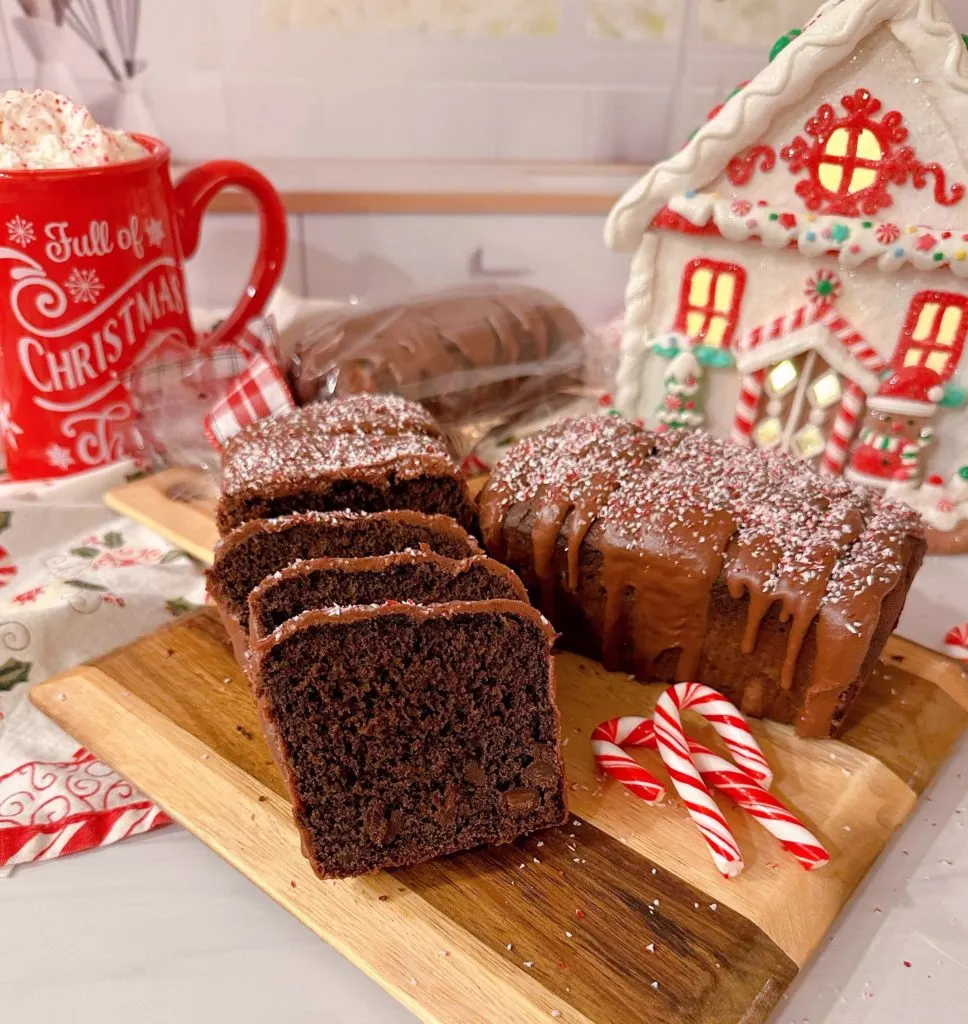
(75, 581)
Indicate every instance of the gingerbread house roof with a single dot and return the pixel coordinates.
(921, 27)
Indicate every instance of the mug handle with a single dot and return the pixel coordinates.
(197, 188)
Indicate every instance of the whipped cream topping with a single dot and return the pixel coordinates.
(40, 130)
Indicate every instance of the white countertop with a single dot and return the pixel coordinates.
(159, 929)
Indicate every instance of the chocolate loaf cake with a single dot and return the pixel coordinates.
(462, 353)
(366, 453)
(260, 547)
(406, 732)
(421, 577)
(677, 556)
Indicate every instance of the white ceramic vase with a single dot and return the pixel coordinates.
(132, 113)
(47, 44)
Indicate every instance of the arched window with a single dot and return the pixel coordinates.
(709, 301)
(849, 157)
(849, 161)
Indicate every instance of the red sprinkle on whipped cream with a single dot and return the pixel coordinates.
(42, 130)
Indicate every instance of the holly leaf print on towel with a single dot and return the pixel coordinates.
(12, 672)
(84, 552)
(174, 555)
(84, 585)
(179, 606)
(113, 540)
(5, 519)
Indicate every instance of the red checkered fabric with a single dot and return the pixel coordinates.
(218, 389)
(258, 392)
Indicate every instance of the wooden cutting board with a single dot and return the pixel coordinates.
(618, 916)
(178, 503)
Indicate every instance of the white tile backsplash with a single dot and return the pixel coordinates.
(611, 80)
(541, 122)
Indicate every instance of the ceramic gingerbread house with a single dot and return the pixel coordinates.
(802, 263)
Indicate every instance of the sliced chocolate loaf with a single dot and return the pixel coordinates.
(366, 453)
(420, 577)
(258, 548)
(677, 556)
(405, 732)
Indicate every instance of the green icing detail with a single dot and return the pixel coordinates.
(705, 355)
(866, 224)
(825, 287)
(963, 472)
(716, 357)
(955, 396)
(964, 38)
(938, 256)
(774, 216)
(783, 42)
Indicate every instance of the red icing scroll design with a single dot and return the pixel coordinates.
(850, 159)
(744, 165)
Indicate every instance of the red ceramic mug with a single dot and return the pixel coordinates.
(90, 279)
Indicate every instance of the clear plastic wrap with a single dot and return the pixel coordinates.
(486, 361)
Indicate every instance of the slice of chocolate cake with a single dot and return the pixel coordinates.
(262, 546)
(366, 453)
(405, 732)
(418, 576)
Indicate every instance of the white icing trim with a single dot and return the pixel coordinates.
(844, 237)
(922, 27)
(902, 406)
(819, 339)
(635, 331)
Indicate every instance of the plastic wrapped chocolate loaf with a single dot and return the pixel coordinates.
(485, 354)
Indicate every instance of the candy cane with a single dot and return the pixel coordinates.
(762, 806)
(727, 778)
(725, 718)
(674, 749)
(607, 742)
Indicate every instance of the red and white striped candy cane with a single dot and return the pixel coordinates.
(607, 742)
(765, 808)
(751, 390)
(674, 749)
(727, 720)
(717, 771)
(843, 430)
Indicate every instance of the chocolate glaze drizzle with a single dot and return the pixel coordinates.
(678, 521)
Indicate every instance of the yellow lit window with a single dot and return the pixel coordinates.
(709, 301)
(825, 390)
(850, 161)
(781, 378)
(933, 334)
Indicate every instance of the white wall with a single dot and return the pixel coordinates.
(602, 80)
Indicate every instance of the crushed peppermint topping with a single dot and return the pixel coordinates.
(342, 437)
(765, 514)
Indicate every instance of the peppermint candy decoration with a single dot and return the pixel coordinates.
(887, 233)
(823, 287)
(956, 642)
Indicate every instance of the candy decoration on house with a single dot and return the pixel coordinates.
(813, 233)
(943, 505)
(680, 406)
(805, 378)
(897, 431)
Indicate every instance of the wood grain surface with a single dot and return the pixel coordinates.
(178, 503)
(618, 916)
